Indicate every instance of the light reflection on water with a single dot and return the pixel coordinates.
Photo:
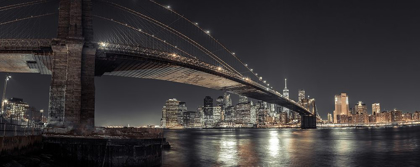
(228, 151)
(274, 144)
(293, 147)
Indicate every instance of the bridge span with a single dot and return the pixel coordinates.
(74, 58)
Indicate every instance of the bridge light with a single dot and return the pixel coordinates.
(103, 44)
(260, 78)
(174, 55)
(246, 65)
(196, 23)
(256, 74)
(5, 101)
(252, 69)
(219, 68)
(233, 53)
(207, 32)
(268, 84)
(169, 7)
(265, 81)
(139, 29)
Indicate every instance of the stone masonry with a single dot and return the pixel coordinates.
(72, 91)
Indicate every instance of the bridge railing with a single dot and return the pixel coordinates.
(10, 130)
(189, 61)
(24, 44)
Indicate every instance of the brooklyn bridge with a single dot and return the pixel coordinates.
(99, 37)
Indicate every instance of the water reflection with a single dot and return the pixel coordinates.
(273, 143)
(228, 153)
(293, 147)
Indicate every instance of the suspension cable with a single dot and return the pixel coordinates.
(19, 5)
(26, 18)
(224, 47)
(177, 33)
(152, 36)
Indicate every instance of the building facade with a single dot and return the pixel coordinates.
(301, 95)
(329, 118)
(376, 108)
(286, 95)
(171, 109)
(341, 106)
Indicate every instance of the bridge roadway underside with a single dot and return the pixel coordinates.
(146, 68)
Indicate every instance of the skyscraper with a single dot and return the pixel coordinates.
(285, 90)
(163, 120)
(220, 101)
(208, 101)
(171, 109)
(243, 99)
(360, 108)
(182, 107)
(286, 95)
(330, 120)
(301, 95)
(341, 106)
(376, 108)
(208, 106)
(361, 116)
(227, 100)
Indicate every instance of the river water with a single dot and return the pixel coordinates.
(398, 146)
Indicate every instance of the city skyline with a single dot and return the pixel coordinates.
(305, 68)
(214, 83)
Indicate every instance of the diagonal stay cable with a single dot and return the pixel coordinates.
(147, 34)
(26, 18)
(230, 52)
(20, 5)
(177, 33)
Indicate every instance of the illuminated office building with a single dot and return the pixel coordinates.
(376, 108)
(341, 107)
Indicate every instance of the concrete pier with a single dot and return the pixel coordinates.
(308, 122)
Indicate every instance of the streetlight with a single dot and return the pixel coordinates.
(42, 117)
(8, 77)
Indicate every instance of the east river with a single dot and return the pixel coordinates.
(399, 146)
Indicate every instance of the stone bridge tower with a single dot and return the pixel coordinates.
(72, 90)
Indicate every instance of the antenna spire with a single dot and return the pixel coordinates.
(285, 83)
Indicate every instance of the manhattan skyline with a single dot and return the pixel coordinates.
(320, 47)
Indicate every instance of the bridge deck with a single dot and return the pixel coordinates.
(138, 62)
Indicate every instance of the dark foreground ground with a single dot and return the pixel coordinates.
(35, 159)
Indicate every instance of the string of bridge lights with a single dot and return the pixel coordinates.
(260, 78)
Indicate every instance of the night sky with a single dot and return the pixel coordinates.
(370, 50)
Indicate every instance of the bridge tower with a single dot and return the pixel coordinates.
(309, 121)
(72, 90)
